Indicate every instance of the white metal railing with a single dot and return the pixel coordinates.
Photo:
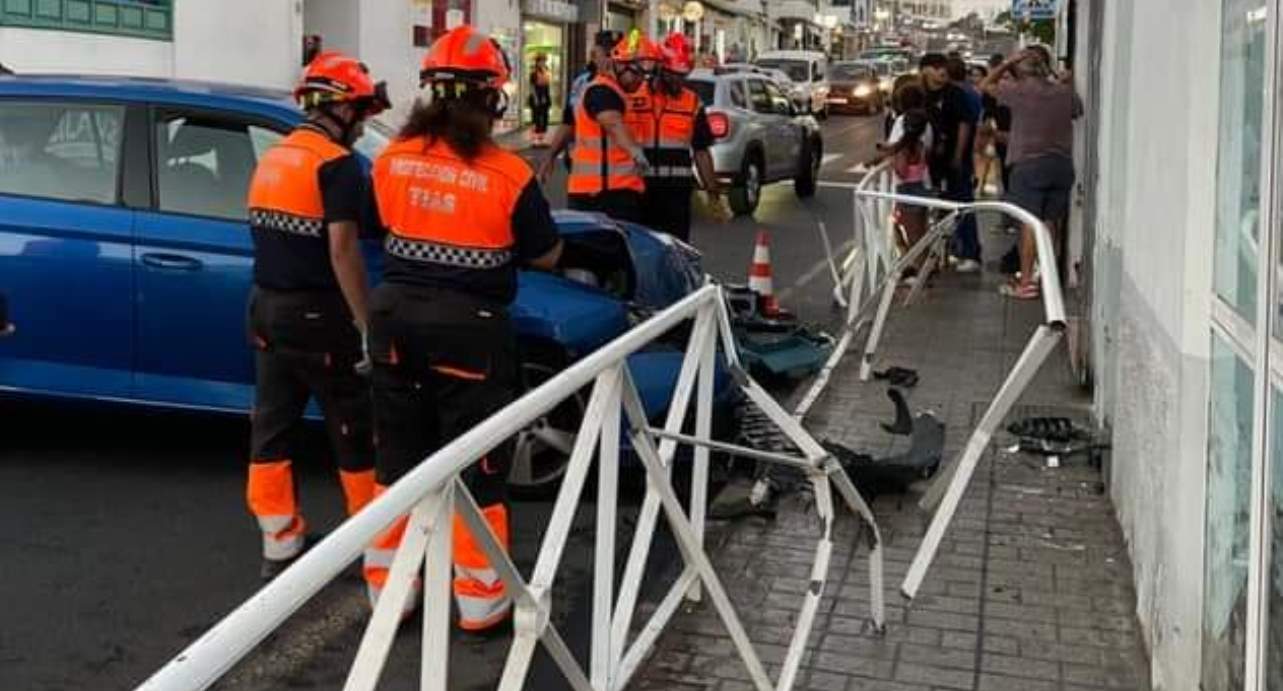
(432, 492)
(870, 264)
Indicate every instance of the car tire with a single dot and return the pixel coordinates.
(541, 452)
(747, 192)
(808, 172)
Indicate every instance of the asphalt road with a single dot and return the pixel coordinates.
(123, 533)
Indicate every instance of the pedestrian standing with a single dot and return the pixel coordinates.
(307, 313)
(460, 216)
(540, 99)
(563, 140)
(1040, 152)
(1000, 117)
(681, 136)
(953, 119)
(607, 164)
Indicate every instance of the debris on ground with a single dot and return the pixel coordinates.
(898, 376)
(903, 424)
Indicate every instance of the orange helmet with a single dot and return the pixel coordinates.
(635, 47)
(333, 77)
(464, 54)
(677, 54)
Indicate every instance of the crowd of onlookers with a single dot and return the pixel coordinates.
(956, 129)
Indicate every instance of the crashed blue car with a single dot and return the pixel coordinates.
(126, 258)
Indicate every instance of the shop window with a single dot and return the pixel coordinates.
(1226, 538)
(1242, 104)
(137, 18)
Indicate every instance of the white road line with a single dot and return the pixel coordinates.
(819, 268)
(829, 158)
(858, 168)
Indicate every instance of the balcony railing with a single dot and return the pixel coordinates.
(151, 19)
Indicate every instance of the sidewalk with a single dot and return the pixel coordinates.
(1032, 588)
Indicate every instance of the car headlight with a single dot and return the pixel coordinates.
(886, 84)
(862, 91)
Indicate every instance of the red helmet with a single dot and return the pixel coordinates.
(465, 54)
(333, 77)
(635, 47)
(677, 54)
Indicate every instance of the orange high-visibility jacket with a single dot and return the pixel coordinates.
(440, 209)
(669, 149)
(597, 163)
(285, 193)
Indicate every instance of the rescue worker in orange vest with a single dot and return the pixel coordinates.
(607, 163)
(307, 315)
(680, 135)
(644, 57)
(461, 215)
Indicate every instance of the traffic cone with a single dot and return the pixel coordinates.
(759, 277)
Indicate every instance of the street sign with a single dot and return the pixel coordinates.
(1034, 9)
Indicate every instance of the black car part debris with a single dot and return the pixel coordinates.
(902, 377)
(903, 424)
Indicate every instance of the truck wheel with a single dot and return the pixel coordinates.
(745, 195)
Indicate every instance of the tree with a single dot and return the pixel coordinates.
(1041, 30)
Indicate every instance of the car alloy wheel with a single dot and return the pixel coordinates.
(541, 452)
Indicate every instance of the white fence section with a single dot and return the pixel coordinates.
(870, 265)
(433, 492)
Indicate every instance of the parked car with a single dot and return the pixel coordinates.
(761, 136)
(808, 70)
(856, 88)
(126, 256)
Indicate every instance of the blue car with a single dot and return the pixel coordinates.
(125, 256)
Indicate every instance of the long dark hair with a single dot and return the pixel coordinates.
(915, 126)
(464, 122)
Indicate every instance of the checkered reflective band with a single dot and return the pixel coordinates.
(286, 223)
(448, 255)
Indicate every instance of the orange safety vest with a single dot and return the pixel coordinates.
(442, 210)
(640, 115)
(669, 147)
(597, 163)
(285, 192)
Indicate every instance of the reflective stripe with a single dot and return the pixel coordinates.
(447, 255)
(379, 558)
(672, 143)
(282, 536)
(286, 223)
(478, 613)
(594, 169)
(671, 172)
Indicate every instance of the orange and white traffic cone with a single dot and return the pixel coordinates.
(759, 277)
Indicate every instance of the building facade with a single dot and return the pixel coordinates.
(1182, 244)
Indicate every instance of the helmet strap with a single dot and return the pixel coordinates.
(346, 130)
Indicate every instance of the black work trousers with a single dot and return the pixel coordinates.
(307, 347)
(443, 362)
(667, 208)
(621, 205)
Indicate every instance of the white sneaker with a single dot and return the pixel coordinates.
(967, 266)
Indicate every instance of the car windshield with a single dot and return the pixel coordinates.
(374, 140)
(797, 70)
(704, 89)
(883, 68)
(849, 71)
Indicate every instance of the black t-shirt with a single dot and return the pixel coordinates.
(291, 262)
(599, 98)
(535, 234)
(947, 108)
(702, 139)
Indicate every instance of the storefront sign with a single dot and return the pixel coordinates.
(552, 9)
(1034, 9)
(693, 11)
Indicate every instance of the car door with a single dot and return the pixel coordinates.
(785, 138)
(194, 258)
(765, 115)
(65, 264)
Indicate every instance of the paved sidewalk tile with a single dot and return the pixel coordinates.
(1031, 589)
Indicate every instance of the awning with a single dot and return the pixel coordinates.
(556, 10)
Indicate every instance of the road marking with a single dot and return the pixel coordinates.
(829, 158)
(858, 168)
(819, 268)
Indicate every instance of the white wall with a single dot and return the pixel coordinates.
(40, 50)
(1153, 281)
(387, 46)
(256, 42)
(337, 21)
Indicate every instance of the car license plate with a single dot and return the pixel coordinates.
(839, 101)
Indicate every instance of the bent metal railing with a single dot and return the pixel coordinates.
(433, 492)
(869, 265)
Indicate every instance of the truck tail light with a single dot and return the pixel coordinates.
(720, 124)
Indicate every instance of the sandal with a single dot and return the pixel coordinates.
(1023, 291)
